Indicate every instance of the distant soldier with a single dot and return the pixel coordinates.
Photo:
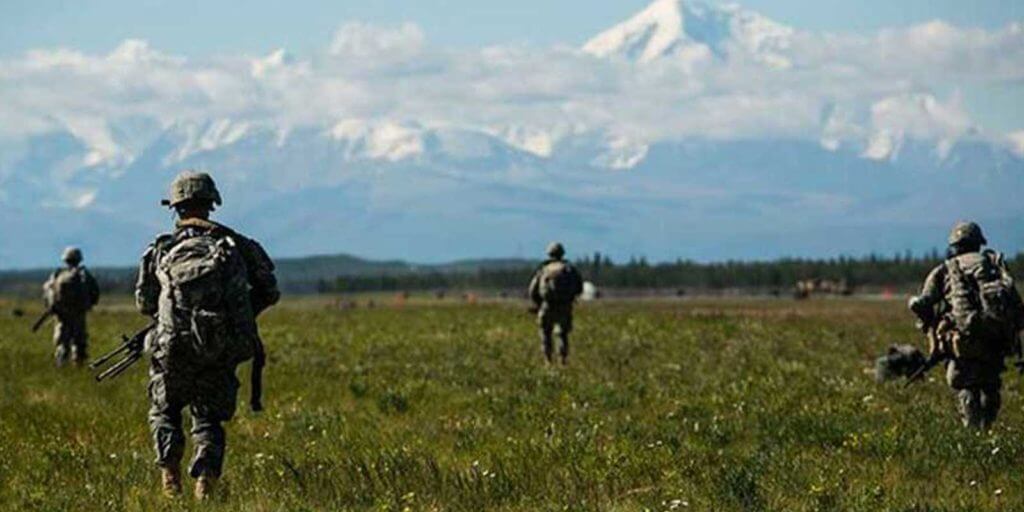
(972, 313)
(553, 290)
(204, 284)
(69, 293)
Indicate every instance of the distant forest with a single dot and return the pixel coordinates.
(898, 272)
(346, 274)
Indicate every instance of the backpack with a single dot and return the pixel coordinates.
(67, 291)
(559, 283)
(203, 284)
(981, 298)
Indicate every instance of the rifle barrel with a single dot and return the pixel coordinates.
(42, 319)
(110, 355)
(119, 367)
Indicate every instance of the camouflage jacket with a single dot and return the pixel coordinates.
(935, 297)
(534, 290)
(937, 287)
(92, 289)
(263, 291)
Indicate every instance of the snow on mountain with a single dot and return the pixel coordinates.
(384, 140)
(427, 189)
(695, 32)
(891, 122)
(216, 134)
(382, 188)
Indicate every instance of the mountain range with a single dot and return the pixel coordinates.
(412, 190)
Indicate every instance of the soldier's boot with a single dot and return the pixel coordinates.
(205, 487)
(563, 351)
(60, 356)
(548, 345)
(78, 357)
(79, 354)
(969, 404)
(991, 401)
(170, 478)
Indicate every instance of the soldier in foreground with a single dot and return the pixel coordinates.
(972, 314)
(204, 284)
(69, 294)
(554, 288)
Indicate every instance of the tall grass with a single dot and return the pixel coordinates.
(665, 406)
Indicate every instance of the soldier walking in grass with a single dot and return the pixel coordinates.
(204, 284)
(69, 294)
(972, 313)
(554, 288)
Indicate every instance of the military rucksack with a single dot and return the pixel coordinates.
(899, 361)
(981, 299)
(559, 283)
(67, 291)
(203, 280)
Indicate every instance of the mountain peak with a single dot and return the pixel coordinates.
(694, 31)
(646, 36)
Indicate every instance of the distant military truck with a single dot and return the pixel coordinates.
(805, 288)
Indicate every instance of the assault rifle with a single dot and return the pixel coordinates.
(42, 319)
(130, 348)
(928, 322)
(934, 359)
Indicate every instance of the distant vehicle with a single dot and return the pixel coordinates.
(817, 286)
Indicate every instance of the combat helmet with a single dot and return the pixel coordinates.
(72, 256)
(966, 233)
(555, 250)
(192, 185)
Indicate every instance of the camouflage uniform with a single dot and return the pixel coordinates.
(178, 378)
(974, 375)
(554, 314)
(70, 333)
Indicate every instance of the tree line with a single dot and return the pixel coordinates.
(899, 271)
(873, 272)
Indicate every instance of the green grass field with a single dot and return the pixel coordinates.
(738, 405)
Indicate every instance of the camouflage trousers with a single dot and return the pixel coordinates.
(210, 394)
(977, 384)
(550, 318)
(71, 339)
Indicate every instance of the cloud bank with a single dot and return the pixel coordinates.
(865, 92)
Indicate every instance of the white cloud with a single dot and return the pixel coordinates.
(364, 41)
(865, 92)
(1016, 142)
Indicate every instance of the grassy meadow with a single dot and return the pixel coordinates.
(666, 405)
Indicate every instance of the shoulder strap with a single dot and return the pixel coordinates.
(953, 269)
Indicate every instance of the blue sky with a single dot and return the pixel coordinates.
(403, 84)
(198, 27)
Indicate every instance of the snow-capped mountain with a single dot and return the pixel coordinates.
(887, 177)
(695, 31)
